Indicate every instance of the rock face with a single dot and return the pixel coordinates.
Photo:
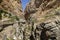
(13, 6)
(41, 20)
(45, 16)
(11, 20)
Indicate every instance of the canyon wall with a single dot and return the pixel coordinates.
(46, 17)
(11, 20)
(39, 21)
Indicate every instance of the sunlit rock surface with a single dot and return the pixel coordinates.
(45, 15)
(13, 6)
(11, 20)
(39, 21)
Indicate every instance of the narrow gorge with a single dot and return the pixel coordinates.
(39, 21)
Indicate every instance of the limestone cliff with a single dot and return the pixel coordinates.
(45, 16)
(11, 19)
(13, 6)
(39, 21)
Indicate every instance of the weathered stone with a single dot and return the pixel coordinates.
(40, 21)
(45, 17)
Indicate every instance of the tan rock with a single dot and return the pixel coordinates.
(12, 6)
(40, 11)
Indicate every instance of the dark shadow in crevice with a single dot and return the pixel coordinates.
(32, 38)
(43, 35)
(4, 26)
(46, 36)
(1, 1)
(38, 3)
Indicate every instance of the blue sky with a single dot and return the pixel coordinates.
(24, 3)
